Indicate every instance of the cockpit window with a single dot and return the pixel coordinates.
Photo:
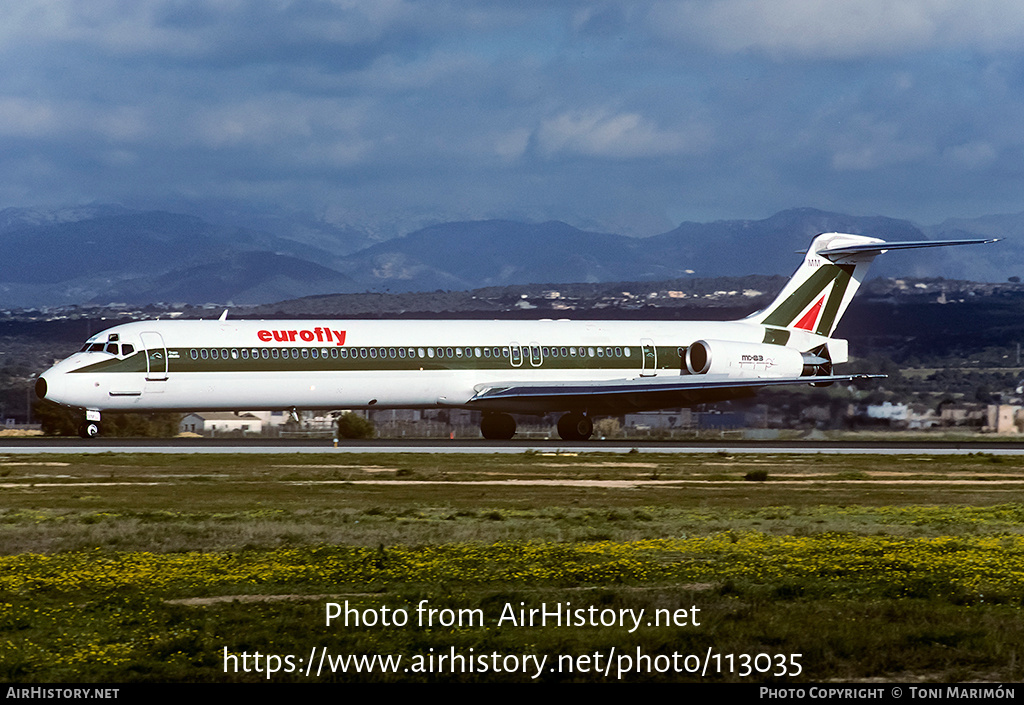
(127, 349)
(96, 347)
(112, 348)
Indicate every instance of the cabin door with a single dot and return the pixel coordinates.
(648, 358)
(156, 356)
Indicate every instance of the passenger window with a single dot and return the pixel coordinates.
(314, 353)
(194, 354)
(245, 354)
(213, 354)
(203, 353)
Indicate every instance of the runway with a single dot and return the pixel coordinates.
(484, 447)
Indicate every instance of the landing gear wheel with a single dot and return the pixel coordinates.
(575, 426)
(89, 429)
(497, 427)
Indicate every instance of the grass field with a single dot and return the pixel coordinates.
(122, 567)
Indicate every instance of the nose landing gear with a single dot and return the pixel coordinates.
(90, 427)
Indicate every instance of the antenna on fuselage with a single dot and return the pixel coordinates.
(223, 316)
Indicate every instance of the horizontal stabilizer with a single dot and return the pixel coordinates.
(822, 287)
(880, 247)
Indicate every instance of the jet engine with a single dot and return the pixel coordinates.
(735, 359)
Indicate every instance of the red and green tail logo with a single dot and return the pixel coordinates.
(816, 304)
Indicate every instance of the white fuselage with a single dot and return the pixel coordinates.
(332, 364)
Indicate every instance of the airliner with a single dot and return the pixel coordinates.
(580, 369)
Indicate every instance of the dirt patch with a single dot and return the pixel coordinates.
(205, 601)
(601, 465)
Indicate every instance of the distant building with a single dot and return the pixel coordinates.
(646, 420)
(214, 422)
(271, 419)
(1004, 418)
(888, 411)
(962, 414)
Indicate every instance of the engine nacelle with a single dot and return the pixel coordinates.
(728, 357)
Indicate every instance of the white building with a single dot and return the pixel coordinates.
(219, 422)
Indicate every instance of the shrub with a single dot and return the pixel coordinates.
(352, 425)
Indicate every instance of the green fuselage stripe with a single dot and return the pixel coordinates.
(180, 360)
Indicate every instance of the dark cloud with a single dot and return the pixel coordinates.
(624, 116)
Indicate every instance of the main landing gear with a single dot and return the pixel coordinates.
(497, 427)
(575, 426)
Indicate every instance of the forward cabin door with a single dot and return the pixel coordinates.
(156, 356)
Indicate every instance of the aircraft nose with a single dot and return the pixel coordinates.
(49, 386)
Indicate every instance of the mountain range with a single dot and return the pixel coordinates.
(102, 254)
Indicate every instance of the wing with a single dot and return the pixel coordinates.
(637, 394)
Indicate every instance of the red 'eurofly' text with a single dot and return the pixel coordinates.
(317, 335)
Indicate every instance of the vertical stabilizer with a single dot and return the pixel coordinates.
(818, 294)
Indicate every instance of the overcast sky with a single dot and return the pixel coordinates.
(628, 116)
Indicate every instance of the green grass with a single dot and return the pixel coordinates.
(117, 568)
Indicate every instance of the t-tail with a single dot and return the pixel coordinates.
(820, 291)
